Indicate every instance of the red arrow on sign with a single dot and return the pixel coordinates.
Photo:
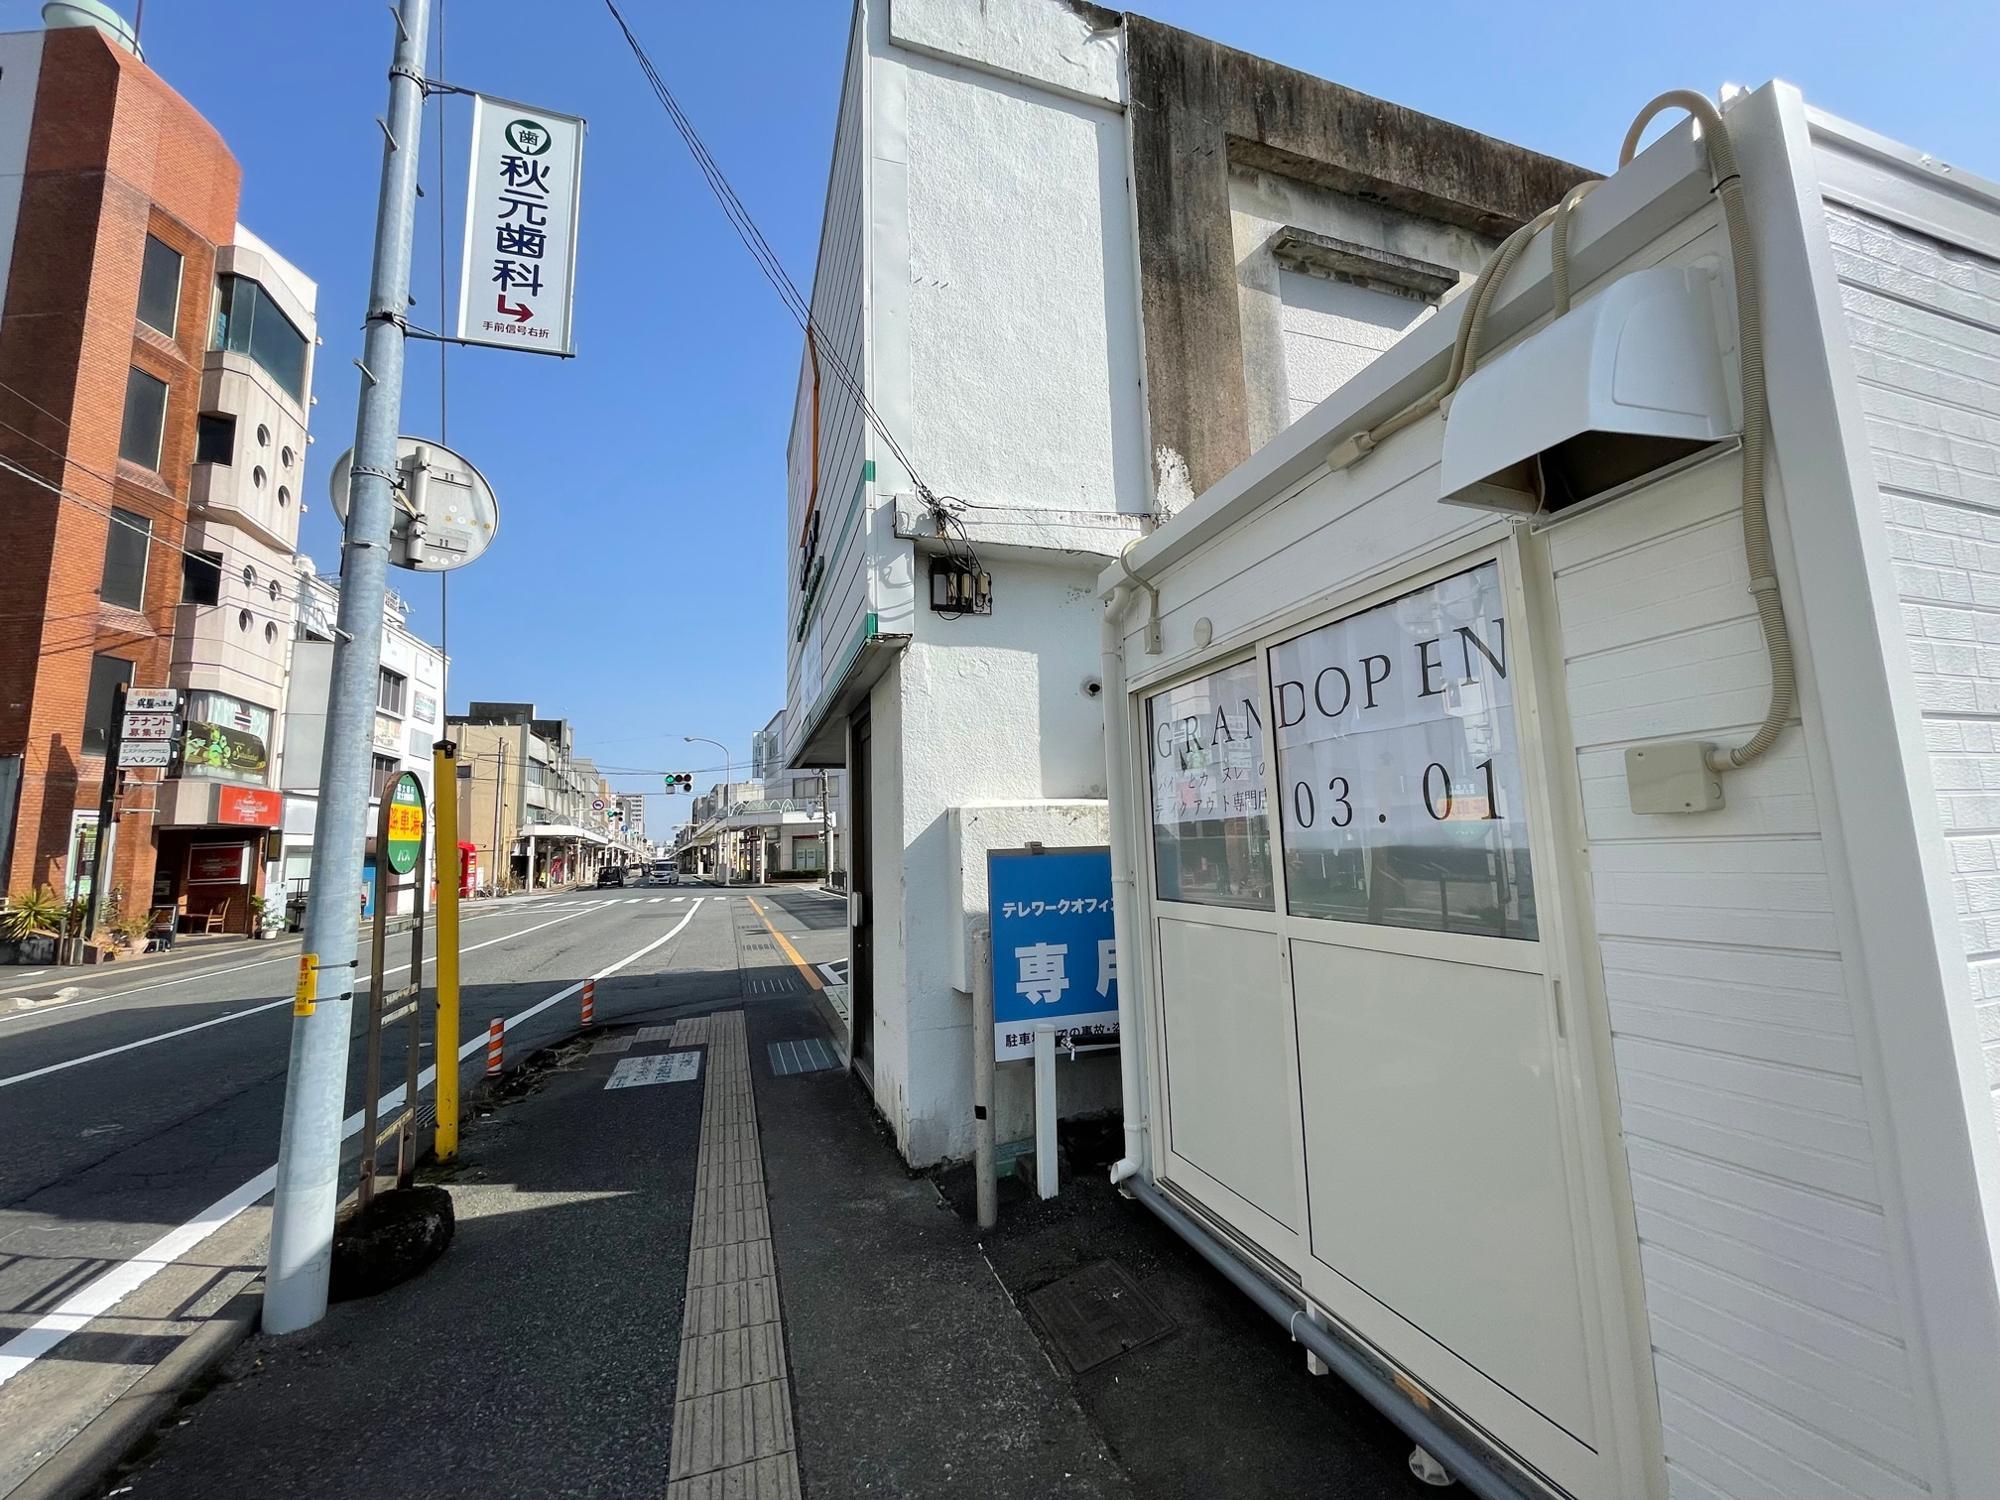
(520, 312)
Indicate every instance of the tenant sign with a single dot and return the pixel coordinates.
(1054, 956)
(517, 276)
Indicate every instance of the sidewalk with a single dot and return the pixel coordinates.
(607, 1323)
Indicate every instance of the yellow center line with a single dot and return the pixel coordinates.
(812, 974)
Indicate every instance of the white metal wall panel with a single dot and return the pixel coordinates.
(1924, 320)
(1778, 1342)
(838, 310)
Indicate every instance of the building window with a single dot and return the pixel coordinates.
(1211, 832)
(214, 438)
(386, 768)
(160, 287)
(145, 419)
(391, 689)
(126, 542)
(248, 322)
(1399, 770)
(201, 578)
(107, 675)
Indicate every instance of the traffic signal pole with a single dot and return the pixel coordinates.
(316, 1083)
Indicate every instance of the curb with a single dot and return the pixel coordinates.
(79, 1468)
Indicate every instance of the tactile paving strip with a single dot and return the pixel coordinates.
(733, 1433)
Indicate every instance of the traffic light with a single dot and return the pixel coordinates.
(679, 781)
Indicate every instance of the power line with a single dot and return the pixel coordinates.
(146, 531)
(796, 303)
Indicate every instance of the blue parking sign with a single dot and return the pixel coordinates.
(1054, 955)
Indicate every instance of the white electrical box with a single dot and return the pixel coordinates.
(1672, 779)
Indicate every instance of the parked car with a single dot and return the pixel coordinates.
(610, 875)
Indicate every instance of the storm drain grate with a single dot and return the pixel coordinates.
(808, 1056)
(1094, 1315)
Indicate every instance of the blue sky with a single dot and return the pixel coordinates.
(637, 582)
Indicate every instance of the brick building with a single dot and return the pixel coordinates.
(116, 201)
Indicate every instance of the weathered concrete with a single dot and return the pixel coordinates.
(1196, 107)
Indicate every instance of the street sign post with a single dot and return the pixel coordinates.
(400, 840)
(403, 823)
(517, 275)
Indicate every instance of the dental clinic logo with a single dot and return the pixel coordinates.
(528, 138)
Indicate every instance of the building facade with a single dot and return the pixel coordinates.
(409, 720)
(235, 632)
(1208, 244)
(525, 803)
(139, 540)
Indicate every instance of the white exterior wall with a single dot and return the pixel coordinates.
(997, 713)
(1788, 1084)
(1018, 244)
(820, 628)
(1924, 317)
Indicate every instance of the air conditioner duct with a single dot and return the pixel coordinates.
(1622, 386)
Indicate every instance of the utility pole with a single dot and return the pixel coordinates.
(316, 1082)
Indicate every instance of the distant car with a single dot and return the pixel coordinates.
(610, 875)
(664, 874)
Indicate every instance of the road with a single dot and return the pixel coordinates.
(143, 1110)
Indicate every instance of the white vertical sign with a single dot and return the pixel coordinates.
(516, 281)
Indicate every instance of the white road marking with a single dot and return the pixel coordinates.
(832, 974)
(105, 1293)
(238, 1015)
(654, 900)
(43, 1008)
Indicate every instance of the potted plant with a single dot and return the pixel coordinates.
(267, 917)
(31, 924)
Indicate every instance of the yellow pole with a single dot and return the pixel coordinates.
(444, 782)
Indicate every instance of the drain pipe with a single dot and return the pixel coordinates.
(1465, 1463)
(1124, 890)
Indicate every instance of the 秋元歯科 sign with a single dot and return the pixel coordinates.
(517, 273)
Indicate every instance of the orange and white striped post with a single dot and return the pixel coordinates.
(494, 1042)
(589, 1003)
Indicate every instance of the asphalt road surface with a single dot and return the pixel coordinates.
(145, 1105)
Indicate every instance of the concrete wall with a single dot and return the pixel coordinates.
(1014, 310)
(998, 711)
(1200, 112)
(1305, 335)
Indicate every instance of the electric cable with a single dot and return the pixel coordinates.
(1758, 552)
(745, 225)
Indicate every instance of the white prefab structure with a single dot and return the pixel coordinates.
(1655, 1151)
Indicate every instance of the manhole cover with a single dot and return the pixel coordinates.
(1095, 1315)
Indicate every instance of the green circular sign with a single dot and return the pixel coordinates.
(404, 845)
(528, 137)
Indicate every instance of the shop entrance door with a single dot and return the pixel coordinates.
(1443, 1194)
